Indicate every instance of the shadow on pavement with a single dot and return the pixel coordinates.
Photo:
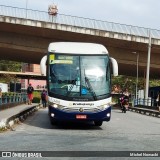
(41, 119)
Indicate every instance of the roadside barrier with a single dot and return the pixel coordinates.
(149, 112)
(19, 117)
(146, 110)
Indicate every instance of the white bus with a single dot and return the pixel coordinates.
(78, 81)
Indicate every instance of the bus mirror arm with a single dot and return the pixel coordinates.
(43, 65)
(114, 66)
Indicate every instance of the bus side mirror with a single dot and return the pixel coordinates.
(43, 65)
(114, 66)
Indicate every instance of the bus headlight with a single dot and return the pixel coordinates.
(55, 105)
(103, 107)
(52, 114)
(108, 114)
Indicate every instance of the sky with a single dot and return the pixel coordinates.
(141, 13)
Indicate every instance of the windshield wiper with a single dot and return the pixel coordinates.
(89, 87)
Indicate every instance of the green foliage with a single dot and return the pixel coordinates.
(154, 82)
(37, 94)
(10, 94)
(9, 66)
(124, 82)
(36, 97)
(36, 100)
(130, 82)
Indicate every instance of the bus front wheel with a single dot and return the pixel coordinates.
(52, 121)
(98, 123)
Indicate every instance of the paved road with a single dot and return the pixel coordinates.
(125, 132)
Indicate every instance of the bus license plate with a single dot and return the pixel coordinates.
(81, 116)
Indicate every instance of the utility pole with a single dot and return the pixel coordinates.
(137, 73)
(148, 66)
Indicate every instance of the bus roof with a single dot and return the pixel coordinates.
(77, 48)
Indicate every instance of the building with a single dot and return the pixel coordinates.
(32, 68)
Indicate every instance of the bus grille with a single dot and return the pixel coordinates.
(85, 110)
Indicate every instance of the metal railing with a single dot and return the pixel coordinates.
(78, 21)
(145, 102)
(6, 99)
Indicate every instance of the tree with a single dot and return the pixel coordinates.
(9, 66)
(130, 83)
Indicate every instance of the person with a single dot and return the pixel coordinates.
(30, 90)
(44, 98)
(158, 101)
(126, 97)
(126, 93)
(124, 100)
(124, 103)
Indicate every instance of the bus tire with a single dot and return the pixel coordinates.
(98, 123)
(52, 121)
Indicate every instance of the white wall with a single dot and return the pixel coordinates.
(4, 87)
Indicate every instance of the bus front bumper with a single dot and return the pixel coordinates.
(60, 115)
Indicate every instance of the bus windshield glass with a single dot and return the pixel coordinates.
(76, 77)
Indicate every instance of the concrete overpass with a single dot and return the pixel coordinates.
(25, 35)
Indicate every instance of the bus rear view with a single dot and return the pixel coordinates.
(79, 82)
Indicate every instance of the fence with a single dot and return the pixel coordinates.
(149, 102)
(8, 99)
(145, 102)
(78, 21)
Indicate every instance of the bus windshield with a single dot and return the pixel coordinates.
(73, 77)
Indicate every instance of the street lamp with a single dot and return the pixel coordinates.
(137, 73)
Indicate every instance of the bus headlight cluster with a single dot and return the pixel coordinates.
(56, 106)
(103, 107)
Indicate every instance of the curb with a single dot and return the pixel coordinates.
(143, 111)
(19, 117)
(147, 112)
